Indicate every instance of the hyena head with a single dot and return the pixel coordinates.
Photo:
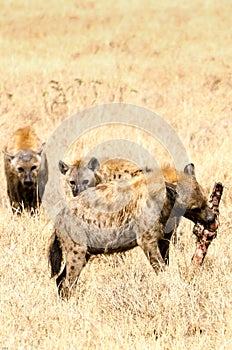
(79, 177)
(190, 200)
(25, 166)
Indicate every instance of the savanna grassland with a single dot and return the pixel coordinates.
(175, 58)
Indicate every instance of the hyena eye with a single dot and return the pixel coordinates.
(85, 182)
(33, 167)
(20, 169)
(72, 182)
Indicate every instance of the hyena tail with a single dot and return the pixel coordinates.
(55, 255)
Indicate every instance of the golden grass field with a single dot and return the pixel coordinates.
(174, 58)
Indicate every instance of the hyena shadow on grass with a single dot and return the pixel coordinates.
(118, 216)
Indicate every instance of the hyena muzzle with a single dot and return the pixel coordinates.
(89, 227)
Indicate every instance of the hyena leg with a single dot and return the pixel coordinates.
(169, 232)
(75, 260)
(15, 202)
(149, 243)
(164, 247)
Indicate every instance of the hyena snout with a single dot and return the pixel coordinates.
(74, 188)
(209, 215)
(204, 216)
(78, 189)
(28, 180)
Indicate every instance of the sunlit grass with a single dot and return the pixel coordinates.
(172, 58)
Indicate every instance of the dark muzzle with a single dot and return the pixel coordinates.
(28, 181)
(76, 190)
(210, 216)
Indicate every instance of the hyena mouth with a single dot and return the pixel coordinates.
(28, 183)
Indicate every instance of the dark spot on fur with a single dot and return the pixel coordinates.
(72, 267)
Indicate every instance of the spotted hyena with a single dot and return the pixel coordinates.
(117, 216)
(79, 176)
(24, 159)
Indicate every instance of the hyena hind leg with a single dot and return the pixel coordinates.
(55, 255)
(75, 261)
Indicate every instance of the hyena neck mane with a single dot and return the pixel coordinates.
(25, 139)
(76, 163)
(171, 175)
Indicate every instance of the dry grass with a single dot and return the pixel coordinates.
(173, 59)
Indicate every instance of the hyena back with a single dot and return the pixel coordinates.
(119, 169)
(118, 216)
(23, 160)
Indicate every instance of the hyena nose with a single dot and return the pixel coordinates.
(28, 181)
(79, 189)
(76, 191)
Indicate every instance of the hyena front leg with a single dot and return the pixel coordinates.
(14, 198)
(149, 242)
(75, 260)
(170, 232)
(164, 245)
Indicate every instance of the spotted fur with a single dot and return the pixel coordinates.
(24, 159)
(120, 215)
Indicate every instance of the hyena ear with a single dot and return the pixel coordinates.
(10, 156)
(94, 164)
(40, 150)
(63, 167)
(190, 170)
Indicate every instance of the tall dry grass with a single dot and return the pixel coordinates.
(58, 58)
